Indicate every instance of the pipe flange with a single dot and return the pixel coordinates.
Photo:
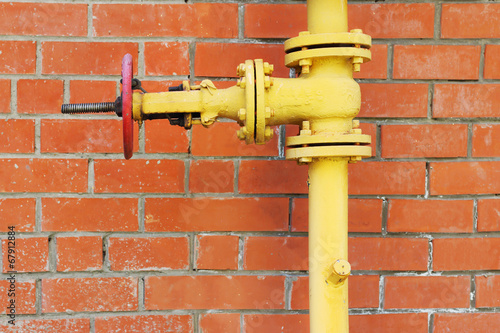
(306, 154)
(346, 139)
(260, 103)
(247, 132)
(355, 37)
(293, 59)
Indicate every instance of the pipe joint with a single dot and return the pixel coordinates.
(339, 272)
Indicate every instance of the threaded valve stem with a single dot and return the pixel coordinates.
(88, 108)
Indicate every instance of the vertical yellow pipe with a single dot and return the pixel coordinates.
(328, 302)
(325, 16)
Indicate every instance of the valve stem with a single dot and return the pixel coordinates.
(89, 107)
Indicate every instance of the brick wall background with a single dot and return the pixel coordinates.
(200, 233)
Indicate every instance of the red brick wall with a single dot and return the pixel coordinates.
(200, 223)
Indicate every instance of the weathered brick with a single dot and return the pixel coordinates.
(284, 323)
(31, 255)
(486, 140)
(491, 62)
(388, 254)
(146, 254)
(456, 254)
(275, 253)
(466, 100)
(394, 100)
(138, 324)
(214, 292)
(389, 323)
(414, 292)
(156, 176)
(39, 96)
(24, 294)
(436, 62)
(220, 322)
(83, 91)
(18, 136)
(214, 214)
(211, 176)
(205, 20)
(161, 137)
(440, 140)
(488, 215)
(475, 178)
(166, 58)
(18, 57)
(488, 291)
(83, 253)
(89, 214)
(78, 325)
(17, 213)
(430, 215)
(466, 322)
(217, 252)
(73, 57)
(89, 294)
(470, 20)
(4, 96)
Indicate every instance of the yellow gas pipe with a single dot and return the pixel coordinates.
(323, 100)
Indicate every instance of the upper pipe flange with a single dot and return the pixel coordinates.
(302, 49)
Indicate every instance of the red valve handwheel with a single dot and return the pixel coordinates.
(128, 122)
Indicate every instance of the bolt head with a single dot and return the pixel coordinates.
(268, 68)
(242, 113)
(356, 31)
(268, 133)
(240, 70)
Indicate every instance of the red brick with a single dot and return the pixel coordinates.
(18, 136)
(78, 325)
(466, 100)
(283, 323)
(387, 178)
(157, 20)
(394, 100)
(486, 140)
(377, 20)
(276, 253)
(365, 215)
(166, 58)
(363, 292)
(220, 322)
(152, 176)
(43, 175)
(466, 322)
(389, 323)
(468, 20)
(217, 252)
(83, 136)
(31, 255)
(393, 20)
(221, 140)
(146, 254)
(161, 137)
(18, 57)
(274, 20)
(89, 294)
(39, 96)
(415, 292)
(216, 214)
(140, 324)
(488, 291)
(211, 176)
(488, 215)
(475, 178)
(4, 96)
(436, 62)
(230, 55)
(89, 214)
(25, 296)
(371, 130)
(377, 67)
(388, 254)
(19, 213)
(491, 62)
(46, 19)
(83, 91)
(430, 215)
(214, 292)
(276, 176)
(399, 141)
(73, 57)
(83, 253)
(455, 254)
